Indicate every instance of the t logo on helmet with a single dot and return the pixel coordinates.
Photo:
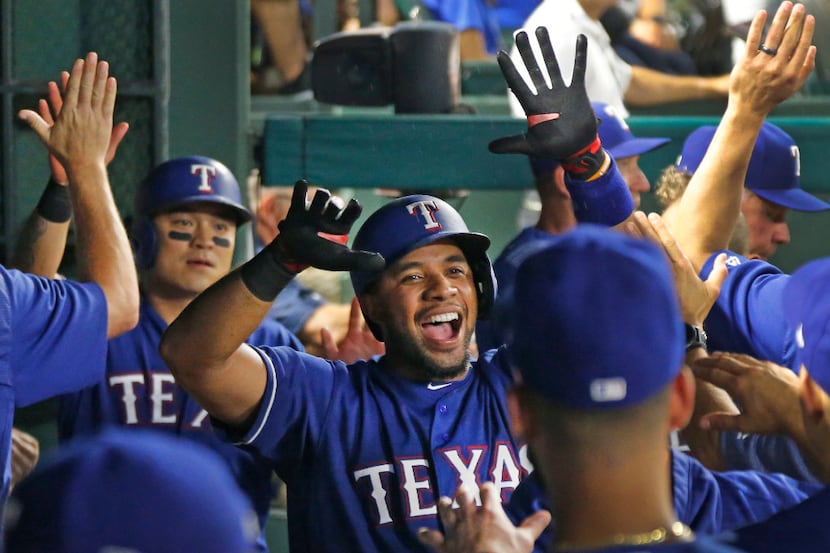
(205, 173)
(427, 209)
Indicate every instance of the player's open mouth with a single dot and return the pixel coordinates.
(443, 327)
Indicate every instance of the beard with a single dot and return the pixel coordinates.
(409, 353)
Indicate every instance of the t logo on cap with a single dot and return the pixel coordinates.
(427, 209)
(205, 172)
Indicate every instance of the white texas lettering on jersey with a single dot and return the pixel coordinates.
(205, 172)
(164, 410)
(426, 209)
(467, 476)
(418, 491)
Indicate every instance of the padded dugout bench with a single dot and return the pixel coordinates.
(432, 152)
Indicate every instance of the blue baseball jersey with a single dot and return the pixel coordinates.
(802, 528)
(366, 454)
(53, 340)
(748, 316)
(604, 201)
(490, 333)
(138, 390)
(707, 501)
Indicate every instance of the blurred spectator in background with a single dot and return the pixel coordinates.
(280, 46)
(608, 77)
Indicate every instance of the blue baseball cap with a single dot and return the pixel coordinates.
(774, 169)
(594, 321)
(616, 138)
(807, 309)
(131, 490)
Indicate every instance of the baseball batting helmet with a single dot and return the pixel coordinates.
(177, 182)
(411, 222)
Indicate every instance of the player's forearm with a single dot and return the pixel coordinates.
(203, 347)
(41, 242)
(104, 255)
(212, 327)
(649, 87)
(40, 246)
(702, 225)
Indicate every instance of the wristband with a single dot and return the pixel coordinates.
(266, 275)
(605, 200)
(55, 205)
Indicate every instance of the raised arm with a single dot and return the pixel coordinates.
(708, 211)
(41, 243)
(204, 346)
(79, 140)
(562, 126)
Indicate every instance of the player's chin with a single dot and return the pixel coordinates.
(447, 369)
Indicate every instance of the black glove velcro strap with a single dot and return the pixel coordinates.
(585, 163)
(266, 275)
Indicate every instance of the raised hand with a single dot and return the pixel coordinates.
(56, 103)
(359, 342)
(776, 65)
(472, 529)
(301, 245)
(767, 393)
(696, 296)
(561, 122)
(86, 111)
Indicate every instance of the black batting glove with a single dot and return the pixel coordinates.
(561, 122)
(301, 245)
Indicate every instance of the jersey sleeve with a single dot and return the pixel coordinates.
(748, 316)
(59, 335)
(292, 414)
(712, 502)
(775, 453)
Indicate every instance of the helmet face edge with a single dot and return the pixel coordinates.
(411, 222)
(177, 182)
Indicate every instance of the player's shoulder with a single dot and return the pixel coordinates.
(494, 366)
(738, 264)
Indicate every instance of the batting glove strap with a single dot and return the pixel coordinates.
(267, 273)
(588, 163)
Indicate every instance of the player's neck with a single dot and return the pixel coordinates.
(167, 306)
(594, 507)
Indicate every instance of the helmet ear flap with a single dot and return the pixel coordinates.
(144, 238)
(486, 286)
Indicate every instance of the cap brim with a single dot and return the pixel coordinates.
(637, 146)
(792, 198)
